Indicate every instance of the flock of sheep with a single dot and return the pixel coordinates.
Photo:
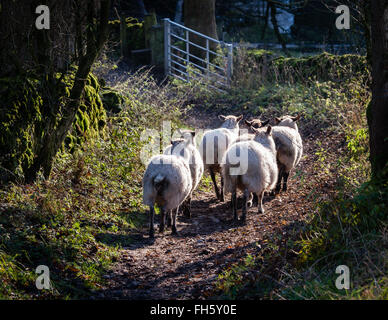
(253, 163)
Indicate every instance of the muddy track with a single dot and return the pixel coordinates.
(187, 266)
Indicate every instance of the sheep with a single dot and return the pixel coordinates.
(214, 145)
(190, 152)
(288, 121)
(255, 123)
(260, 171)
(166, 182)
(290, 148)
(288, 145)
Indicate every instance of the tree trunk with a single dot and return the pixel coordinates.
(179, 11)
(199, 15)
(378, 109)
(54, 137)
(266, 15)
(276, 27)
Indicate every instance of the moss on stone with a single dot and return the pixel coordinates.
(112, 100)
(90, 119)
(20, 117)
(134, 33)
(20, 106)
(324, 66)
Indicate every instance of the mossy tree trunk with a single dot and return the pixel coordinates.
(51, 134)
(378, 108)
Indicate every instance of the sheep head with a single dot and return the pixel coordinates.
(264, 136)
(230, 122)
(288, 121)
(256, 123)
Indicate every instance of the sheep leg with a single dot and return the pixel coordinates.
(152, 214)
(253, 200)
(260, 204)
(285, 180)
(234, 205)
(245, 206)
(162, 220)
(173, 227)
(168, 218)
(222, 189)
(215, 184)
(279, 182)
(187, 207)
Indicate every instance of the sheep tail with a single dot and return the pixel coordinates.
(159, 183)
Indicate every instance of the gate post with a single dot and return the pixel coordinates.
(166, 46)
(230, 63)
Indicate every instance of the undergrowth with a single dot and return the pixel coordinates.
(76, 222)
(346, 222)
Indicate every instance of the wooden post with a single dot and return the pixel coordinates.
(149, 21)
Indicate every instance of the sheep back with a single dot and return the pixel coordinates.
(214, 145)
(261, 171)
(174, 174)
(289, 146)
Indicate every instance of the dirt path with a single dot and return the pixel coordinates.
(187, 266)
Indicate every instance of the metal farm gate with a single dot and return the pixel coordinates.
(179, 62)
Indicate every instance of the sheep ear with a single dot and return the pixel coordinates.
(190, 139)
(248, 123)
(277, 120)
(254, 130)
(269, 130)
(221, 117)
(264, 123)
(239, 118)
(296, 118)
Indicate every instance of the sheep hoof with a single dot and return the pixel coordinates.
(161, 229)
(250, 204)
(260, 211)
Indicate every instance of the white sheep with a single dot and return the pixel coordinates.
(257, 166)
(214, 145)
(187, 148)
(289, 146)
(288, 121)
(167, 183)
(255, 123)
